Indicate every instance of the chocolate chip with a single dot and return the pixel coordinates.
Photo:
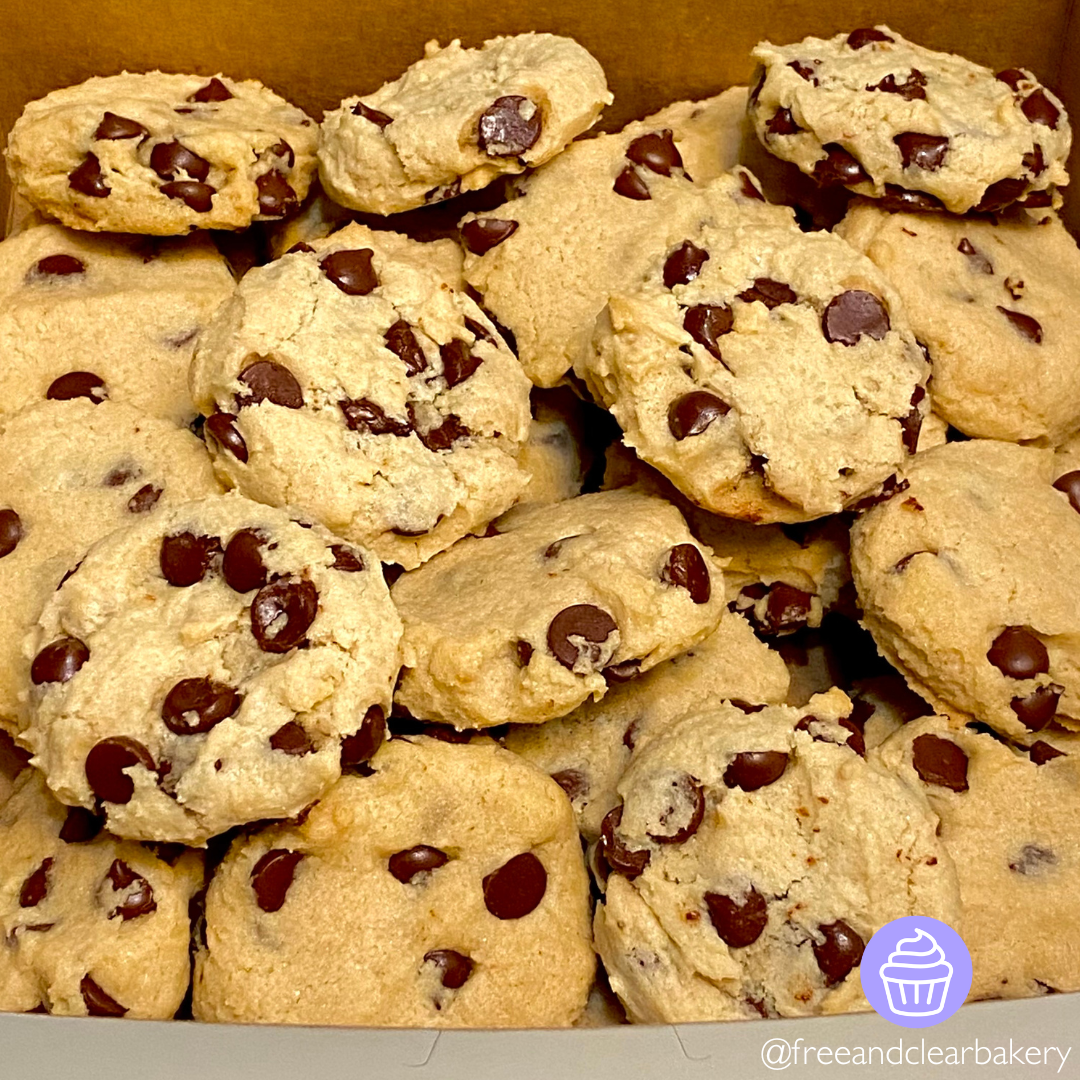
(281, 614)
(1042, 752)
(1033, 860)
(622, 859)
(454, 968)
(684, 264)
(739, 920)
(692, 413)
(855, 739)
(1039, 109)
(573, 781)
(746, 706)
(940, 761)
(755, 769)
(292, 739)
(1013, 77)
(283, 151)
(300, 248)
(214, 90)
(1035, 164)
(911, 89)
(851, 315)
(359, 748)
(405, 865)
(482, 234)
(705, 323)
(922, 151)
(911, 424)
(276, 195)
(516, 888)
(805, 71)
(1038, 708)
(590, 626)
(1018, 653)
(770, 293)
(36, 886)
(440, 438)
(196, 196)
(904, 201)
(685, 568)
(105, 765)
(88, 179)
(480, 332)
(889, 489)
(351, 271)
(629, 185)
(77, 384)
(656, 151)
(782, 123)
(59, 661)
(272, 878)
(169, 159)
(185, 558)
(509, 126)
(270, 381)
(1027, 326)
(242, 566)
(840, 952)
(223, 428)
(683, 814)
(977, 261)
(458, 362)
(138, 898)
(749, 189)
(80, 826)
(367, 417)
(401, 341)
(59, 266)
(1000, 194)
(346, 559)
(787, 608)
(144, 500)
(865, 35)
(11, 531)
(443, 193)
(523, 652)
(119, 127)
(380, 119)
(97, 1002)
(1069, 483)
(194, 706)
(839, 167)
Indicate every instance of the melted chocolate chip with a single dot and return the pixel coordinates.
(281, 614)
(185, 558)
(458, 362)
(242, 566)
(1042, 752)
(684, 264)
(169, 159)
(739, 920)
(482, 234)
(1018, 653)
(194, 706)
(922, 151)
(138, 898)
(351, 271)
(755, 769)
(272, 878)
(1039, 109)
(509, 126)
(214, 90)
(853, 314)
(97, 1002)
(838, 167)
(454, 967)
(940, 761)
(573, 781)
(292, 739)
(196, 196)
(629, 185)
(270, 381)
(706, 323)
(106, 764)
(911, 89)
(622, 859)
(59, 661)
(840, 952)
(276, 195)
(685, 568)
(380, 119)
(1038, 708)
(782, 123)
(36, 886)
(576, 636)
(59, 266)
(516, 888)
(88, 179)
(1000, 194)
(222, 426)
(11, 531)
(367, 417)
(770, 293)
(422, 859)
(1025, 324)
(656, 151)
(683, 814)
(80, 826)
(346, 559)
(119, 127)
(692, 413)
(1069, 483)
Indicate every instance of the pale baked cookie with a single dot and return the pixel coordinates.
(1008, 819)
(969, 580)
(92, 925)
(70, 473)
(769, 373)
(587, 752)
(446, 889)
(353, 383)
(213, 666)
(752, 858)
(556, 456)
(162, 154)
(459, 118)
(521, 626)
(994, 302)
(122, 312)
(921, 129)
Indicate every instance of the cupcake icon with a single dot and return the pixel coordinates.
(916, 976)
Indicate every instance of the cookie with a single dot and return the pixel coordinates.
(556, 455)
(123, 312)
(92, 925)
(522, 626)
(162, 154)
(459, 118)
(752, 858)
(993, 301)
(587, 752)
(212, 666)
(70, 473)
(969, 580)
(1008, 820)
(920, 129)
(769, 373)
(447, 889)
(353, 383)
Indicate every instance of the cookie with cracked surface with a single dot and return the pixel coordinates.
(446, 889)
(752, 858)
(162, 154)
(92, 925)
(1008, 819)
(993, 303)
(70, 473)
(211, 667)
(922, 130)
(353, 383)
(969, 580)
(520, 627)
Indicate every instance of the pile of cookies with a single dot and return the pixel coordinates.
(463, 573)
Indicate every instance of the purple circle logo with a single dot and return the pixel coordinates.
(916, 971)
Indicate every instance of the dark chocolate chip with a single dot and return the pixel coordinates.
(480, 332)
(805, 71)
(36, 886)
(516, 888)
(300, 248)
(787, 608)
(242, 566)
(144, 500)
(1042, 752)
(840, 952)
(1013, 77)
(196, 196)
(782, 123)
(523, 651)
(1035, 163)
(1025, 324)
(281, 614)
(839, 167)
(911, 423)
(458, 362)
(749, 189)
(97, 1002)
(590, 626)
(80, 826)
(692, 413)
(573, 781)
(683, 814)
(889, 489)
(482, 234)
(755, 769)
(359, 748)
(405, 865)
(656, 151)
(1039, 109)
(922, 151)
(367, 417)
(621, 672)
(59, 661)
(292, 739)
(185, 558)
(1018, 653)
(706, 323)
(194, 706)
(138, 898)
(276, 195)
(270, 381)
(222, 426)
(629, 185)
(105, 765)
(770, 293)
(450, 431)
(454, 967)
(169, 159)
(351, 271)
(380, 119)
(739, 920)
(119, 127)
(282, 150)
(911, 89)
(851, 315)
(77, 384)
(504, 131)
(685, 568)
(401, 341)
(59, 266)
(622, 859)
(977, 261)
(1038, 708)
(900, 200)
(444, 192)
(1000, 194)
(684, 264)
(11, 531)
(88, 178)
(940, 761)
(1069, 483)
(346, 559)
(865, 35)
(214, 90)
(272, 878)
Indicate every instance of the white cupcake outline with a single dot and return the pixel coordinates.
(897, 976)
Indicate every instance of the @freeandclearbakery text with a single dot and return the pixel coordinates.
(780, 1054)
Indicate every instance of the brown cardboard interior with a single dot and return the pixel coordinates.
(318, 51)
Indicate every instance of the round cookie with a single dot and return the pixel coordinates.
(92, 925)
(587, 752)
(769, 373)
(447, 889)
(917, 128)
(353, 383)
(525, 625)
(70, 473)
(1008, 820)
(162, 154)
(969, 580)
(211, 667)
(457, 119)
(752, 858)
(993, 301)
(125, 310)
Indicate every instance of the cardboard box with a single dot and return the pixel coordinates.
(314, 53)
